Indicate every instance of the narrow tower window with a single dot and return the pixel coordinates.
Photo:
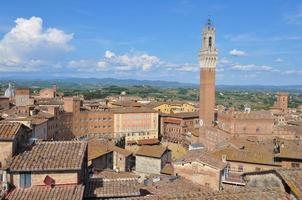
(210, 41)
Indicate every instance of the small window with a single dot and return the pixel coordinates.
(210, 41)
(258, 169)
(240, 168)
(25, 180)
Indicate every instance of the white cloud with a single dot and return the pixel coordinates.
(131, 61)
(109, 54)
(294, 72)
(252, 67)
(28, 42)
(235, 52)
(188, 68)
(279, 60)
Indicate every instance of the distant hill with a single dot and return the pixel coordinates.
(74, 82)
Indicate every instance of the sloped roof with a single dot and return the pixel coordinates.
(8, 130)
(51, 156)
(155, 151)
(66, 192)
(97, 148)
(239, 194)
(98, 188)
(293, 178)
(203, 157)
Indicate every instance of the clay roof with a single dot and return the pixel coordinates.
(155, 151)
(260, 152)
(97, 148)
(126, 103)
(293, 178)
(203, 157)
(169, 186)
(238, 194)
(125, 110)
(290, 149)
(37, 121)
(147, 141)
(51, 156)
(182, 115)
(8, 130)
(66, 192)
(122, 151)
(108, 174)
(98, 188)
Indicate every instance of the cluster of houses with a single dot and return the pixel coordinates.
(56, 147)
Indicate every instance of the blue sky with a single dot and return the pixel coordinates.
(259, 42)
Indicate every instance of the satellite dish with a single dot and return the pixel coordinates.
(200, 122)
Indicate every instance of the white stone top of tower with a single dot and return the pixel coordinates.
(10, 91)
(208, 52)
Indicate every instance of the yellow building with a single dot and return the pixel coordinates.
(172, 107)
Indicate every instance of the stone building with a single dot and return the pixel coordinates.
(152, 159)
(14, 138)
(50, 163)
(48, 92)
(201, 168)
(242, 124)
(172, 107)
(105, 155)
(136, 124)
(175, 127)
(22, 97)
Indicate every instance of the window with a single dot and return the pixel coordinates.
(296, 165)
(210, 41)
(25, 180)
(258, 169)
(240, 168)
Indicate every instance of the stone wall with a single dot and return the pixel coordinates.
(148, 165)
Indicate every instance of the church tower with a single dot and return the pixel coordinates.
(207, 64)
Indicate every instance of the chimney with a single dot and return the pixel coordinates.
(224, 158)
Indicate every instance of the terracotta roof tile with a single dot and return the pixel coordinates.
(8, 130)
(201, 156)
(72, 192)
(98, 188)
(293, 178)
(155, 151)
(44, 156)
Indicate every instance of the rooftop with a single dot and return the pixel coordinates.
(155, 151)
(51, 156)
(98, 188)
(182, 115)
(124, 110)
(8, 130)
(240, 194)
(203, 157)
(70, 192)
(97, 148)
(260, 152)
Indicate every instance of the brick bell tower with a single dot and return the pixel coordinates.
(207, 64)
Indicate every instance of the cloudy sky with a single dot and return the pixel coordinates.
(259, 42)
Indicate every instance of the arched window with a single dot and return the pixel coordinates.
(210, 41)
